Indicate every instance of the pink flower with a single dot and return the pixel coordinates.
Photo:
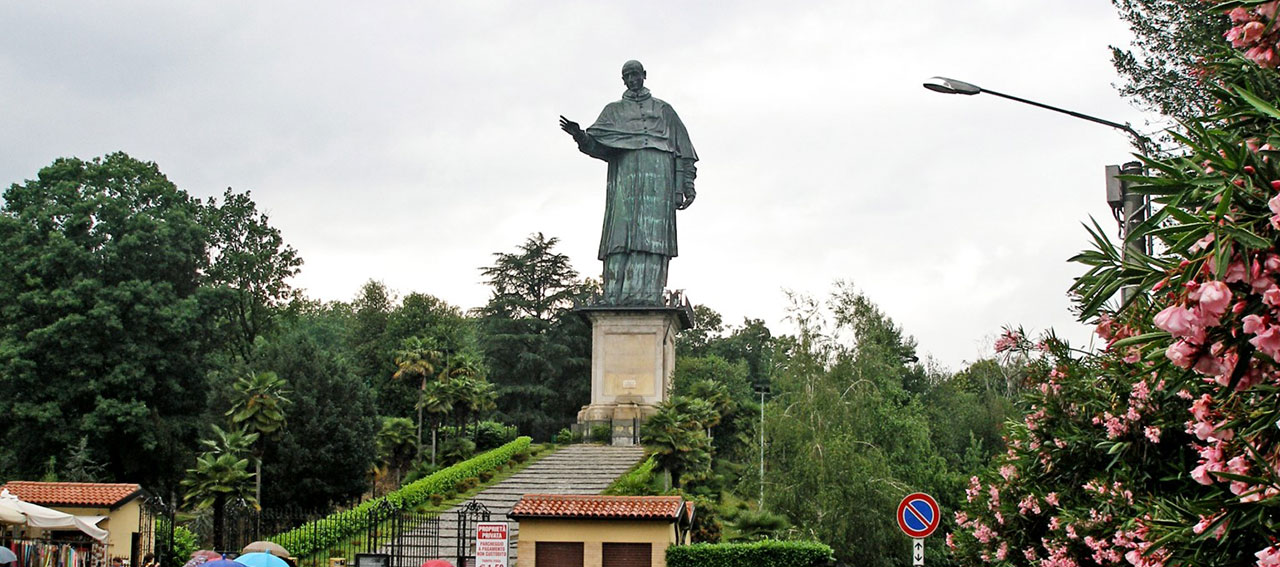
(1008, 472)
(1051, 498)
(1181, 353)
(984, 534)
(1202, 244)
(1253, 324)
(1002, 551)
(1263, 55)
(1152, 433)
(1268, 557)
(1250, 32)
(1239, 15)
(1106, 326)
(1271, 296)
(1178, 321)
(1132, 356)
(1215, 297)
(1267, 10)
(1268, 342)
(1201, 474)
(1008, 341)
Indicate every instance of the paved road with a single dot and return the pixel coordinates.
(576, 469)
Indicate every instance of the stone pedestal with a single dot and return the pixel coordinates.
(633, 355)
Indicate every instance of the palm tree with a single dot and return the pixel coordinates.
(396, 445)
(680, 446)
(259, 405)
(437, 399)
(235, 442)
(217, 478)
(418, 357)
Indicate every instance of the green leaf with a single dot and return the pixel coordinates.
(1262, 105)
(1141, 339)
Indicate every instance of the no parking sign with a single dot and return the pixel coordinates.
(918, 516)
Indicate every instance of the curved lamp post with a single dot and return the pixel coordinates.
(1133, 205)
(952, 86)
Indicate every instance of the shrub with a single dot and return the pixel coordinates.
(456, 450)
(490, 434)
(564, 437)
(769, 552)
(184, 542)
(601, 434)
(639, 481)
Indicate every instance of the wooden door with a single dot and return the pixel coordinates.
(627, 554)
(557, 553)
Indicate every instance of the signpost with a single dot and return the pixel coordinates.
(918, 516)
(491, 544)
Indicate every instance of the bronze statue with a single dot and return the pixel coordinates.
(651, 173)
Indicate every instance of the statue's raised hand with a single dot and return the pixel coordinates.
(572, 128)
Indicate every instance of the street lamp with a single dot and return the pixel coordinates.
(762, 389)
(1129, 208)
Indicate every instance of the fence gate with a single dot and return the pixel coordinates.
(155, 531)
(417, 539)
(468, 516)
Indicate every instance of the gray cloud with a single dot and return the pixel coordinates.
(406, 142)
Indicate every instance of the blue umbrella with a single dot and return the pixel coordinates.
(222, 563)
(7, 556)
(259, 559)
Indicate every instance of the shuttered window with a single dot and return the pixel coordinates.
(558, 553)
(627, 554)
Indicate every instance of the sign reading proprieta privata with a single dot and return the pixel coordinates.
(491, 544)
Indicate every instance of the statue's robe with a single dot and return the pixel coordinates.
(650, 158)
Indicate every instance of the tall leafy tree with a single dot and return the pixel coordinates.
(537, 351)
(373, 352)
(322, 457)
(249, 267)
(842, 428)
(104, 326)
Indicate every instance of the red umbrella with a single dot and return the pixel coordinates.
(436, 563)
(206, 554)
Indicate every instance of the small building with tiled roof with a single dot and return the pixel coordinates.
(119, 504)
(600, 531)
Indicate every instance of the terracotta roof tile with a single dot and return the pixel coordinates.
(598, 506)
(72, 493)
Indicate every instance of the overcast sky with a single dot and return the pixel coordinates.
(408, 141)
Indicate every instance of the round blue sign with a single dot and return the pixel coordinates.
(918, 515)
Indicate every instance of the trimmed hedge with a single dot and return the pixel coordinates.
(767, 553)
(338, 527)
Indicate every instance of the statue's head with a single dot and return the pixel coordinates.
(633, 75)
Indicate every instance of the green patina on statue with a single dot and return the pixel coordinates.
(651, 173)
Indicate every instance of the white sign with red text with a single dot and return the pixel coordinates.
(491, 544)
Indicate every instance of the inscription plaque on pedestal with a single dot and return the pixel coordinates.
(632, 359)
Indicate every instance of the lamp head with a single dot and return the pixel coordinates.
(951, 86)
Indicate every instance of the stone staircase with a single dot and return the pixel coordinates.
(576, 469)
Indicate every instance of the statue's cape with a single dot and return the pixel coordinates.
(633, 123)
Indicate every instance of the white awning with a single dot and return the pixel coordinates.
(38, 516)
